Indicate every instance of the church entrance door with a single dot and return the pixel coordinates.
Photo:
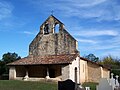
(76, 74)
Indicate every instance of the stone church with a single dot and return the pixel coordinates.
(53, 55)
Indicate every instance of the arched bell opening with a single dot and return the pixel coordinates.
(46, 28)
(57, 28)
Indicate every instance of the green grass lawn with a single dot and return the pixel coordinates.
(26, 85)
(91, 85)
(32, 85)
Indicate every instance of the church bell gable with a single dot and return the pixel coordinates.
(49, 41)
(49, 26)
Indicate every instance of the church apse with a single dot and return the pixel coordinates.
(49, 41)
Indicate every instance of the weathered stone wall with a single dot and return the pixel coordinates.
(44, 46)
(53, 43)
(66, 44)
(94, 72)
(34, 44)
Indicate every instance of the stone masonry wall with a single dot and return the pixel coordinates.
(44, 46)
(94, 72)
(66, 43)
(53, 44)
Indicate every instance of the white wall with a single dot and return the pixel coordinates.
(83, 71)
(72, 66)
(65, 72)
(12, 73)
(106, 73)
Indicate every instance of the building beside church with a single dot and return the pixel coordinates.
(53, 55)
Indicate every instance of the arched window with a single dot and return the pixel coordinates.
(46, 28)
(57, 28)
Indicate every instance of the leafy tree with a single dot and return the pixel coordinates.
(2, 67)
(7, 58)
(10, 57)
(108, 60)
(92, 57)
(112, 63)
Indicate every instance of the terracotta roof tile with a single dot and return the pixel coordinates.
(52, 59)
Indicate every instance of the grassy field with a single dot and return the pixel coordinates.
(91, 85)
(26, 85)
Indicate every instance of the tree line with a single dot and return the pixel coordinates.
(7, 58)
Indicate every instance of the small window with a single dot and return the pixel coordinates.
(57, 28)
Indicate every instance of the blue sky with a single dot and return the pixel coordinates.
(94, 23)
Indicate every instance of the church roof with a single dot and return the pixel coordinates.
(42, 60)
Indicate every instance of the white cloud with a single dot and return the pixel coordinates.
(86, 41)
(29, 33)
(5, 10)
(88, 3)
(115, 53)
(97, 9)
(104, 47)
(93, 32)
(8, 20)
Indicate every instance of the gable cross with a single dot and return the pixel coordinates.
(52, 12)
